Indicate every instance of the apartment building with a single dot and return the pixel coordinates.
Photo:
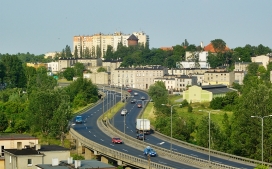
(177, 83)
(219, 76)
(29, 157)
(97, 78)
(69, 62)
(53, 66)
(9, 141)
(264, 59)
(139, 77)
(100, 40)
(199, 73)
(110, 66)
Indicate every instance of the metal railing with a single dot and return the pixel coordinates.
(114, 154)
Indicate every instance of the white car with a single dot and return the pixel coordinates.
(123, 112)
(135, 94)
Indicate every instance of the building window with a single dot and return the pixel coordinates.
(29, 162)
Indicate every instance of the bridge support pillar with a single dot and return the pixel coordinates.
(104, 160)
(128, 168)
(89, 154)
(119, 162)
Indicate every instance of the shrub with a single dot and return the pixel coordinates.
(190, 109)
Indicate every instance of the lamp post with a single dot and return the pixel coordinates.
(171, 121)
(262, 118)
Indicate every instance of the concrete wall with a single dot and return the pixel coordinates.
(196, 94)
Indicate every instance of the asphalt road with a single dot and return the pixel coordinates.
(130, 129)
(90, 130)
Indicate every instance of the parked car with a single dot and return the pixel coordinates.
(140, 136)
(123, 112)
(133, 101)
(139, 105)
(142, 98)
(135, 94)
(116, 140)
(150, 151)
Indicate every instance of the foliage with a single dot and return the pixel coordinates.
(184, 103)
(261, 167)
(101, 69)
(77, 157)
(190, 109)
(219, 45)
(3, 122)
(252, 68)
(216, 103)
(78, 69)
(69, 73)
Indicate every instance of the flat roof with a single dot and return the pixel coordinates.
(28, 151)
(217, 89)
(53, 148)
(14, 136)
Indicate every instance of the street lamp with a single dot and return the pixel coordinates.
(260, 117)
(171, 121)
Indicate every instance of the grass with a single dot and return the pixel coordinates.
(111, 112)
(64, 81)
(173, 98)
(149, 112)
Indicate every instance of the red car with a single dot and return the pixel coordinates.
(129, 90)
(116, 140)
(139, 105)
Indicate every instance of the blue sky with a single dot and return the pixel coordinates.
(39, 27)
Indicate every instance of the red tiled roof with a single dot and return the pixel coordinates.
(210, 48)
(166, 48)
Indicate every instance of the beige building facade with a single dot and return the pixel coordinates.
(95, 41)
(219, 76)
(69, 62)
(139, 77)
(263, 59)
(97, 78)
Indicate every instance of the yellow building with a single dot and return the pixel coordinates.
(219, 76)
(205, 93)
(36, 65)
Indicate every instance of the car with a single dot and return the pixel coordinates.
(123, 112)
(135, 94)
(142, 98)
(129, 90)
(148, 151)
(139, 105)
(78, 119)
(116, 140)
(133, 101)
(140, 136)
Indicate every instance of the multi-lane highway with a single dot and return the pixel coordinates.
(130, 120)
(90, 130)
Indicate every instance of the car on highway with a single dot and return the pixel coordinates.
(123, 112)
(79, 120)
(129, 90)
(140, 136)
(139, 105)
(116, 140)
(133, 101)
(142, 98)
(135, 94)
(148, 151)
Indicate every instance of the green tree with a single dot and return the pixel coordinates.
(261, 167)
(252, 68)
(98, 52)
(109, 53)
(2, 72)
(101, 69)
(69, 73)
(219, 45)
(68, 53)
(3, 122)
(76, 52)
(87, 53)
(78, 69)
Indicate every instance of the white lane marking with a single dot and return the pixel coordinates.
(162, 162)
(174, 149)
(131, 130)
(101, 140)
(86, 127)
(90, 132)
(95, 135)
(88, 116)
(141, 156)
(84, 124)
(91, 114)
(125, 150)
(194, 155)
(216, 161)
(161, 143)
(111, 144)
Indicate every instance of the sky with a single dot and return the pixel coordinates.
(39, 27)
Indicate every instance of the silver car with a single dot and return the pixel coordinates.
(123, 112)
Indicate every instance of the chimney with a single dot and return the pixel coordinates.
(37, 147)
(55, 161)
(19, 145)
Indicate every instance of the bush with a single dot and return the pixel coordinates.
(216, 103)
(190, 109)
(184, 103)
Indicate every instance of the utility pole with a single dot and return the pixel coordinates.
(149, 161)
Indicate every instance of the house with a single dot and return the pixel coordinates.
(137, 77)
(9, 141)
(74, 164)
(29, 156)
(177, 83)
(219, 76)
(205, 93)
(210, 48)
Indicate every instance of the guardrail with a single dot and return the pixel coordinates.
(186, 159)
(129, 159)
(227, 156)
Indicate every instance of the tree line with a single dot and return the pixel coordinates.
(32, 102)
(238, 134)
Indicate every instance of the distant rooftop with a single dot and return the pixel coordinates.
(142, 68)
(14, 136)
(217, 89)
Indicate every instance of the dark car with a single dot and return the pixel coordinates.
(149, 151)
(116, 140)
(142, 98)
(140, 136)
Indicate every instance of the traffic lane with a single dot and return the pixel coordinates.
(130, 128)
